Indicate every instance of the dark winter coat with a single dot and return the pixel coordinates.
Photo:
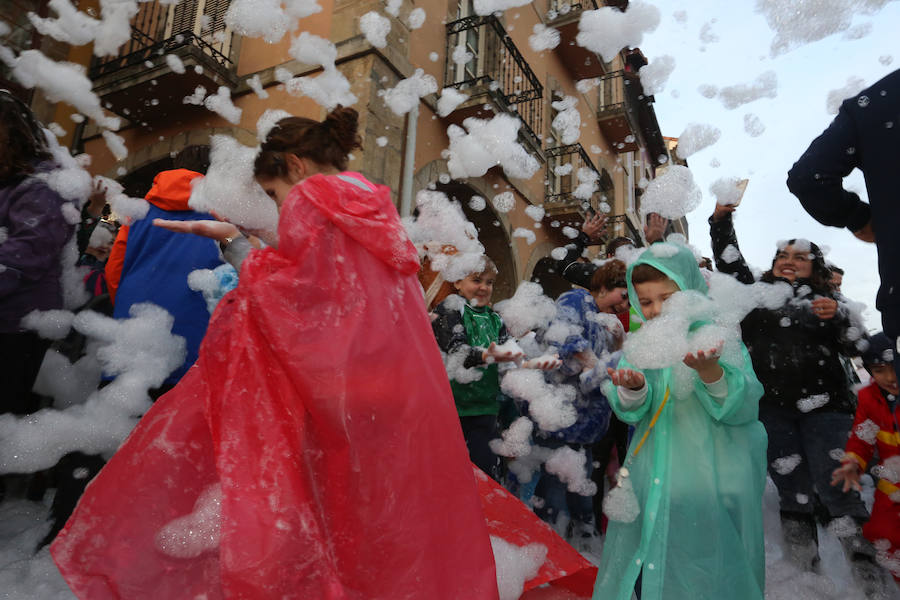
(572, 268)
(33, 233)
(796, 355)
(478, 397)
(864, 135)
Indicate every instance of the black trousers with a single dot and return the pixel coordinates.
(478, 431)
(21, 354)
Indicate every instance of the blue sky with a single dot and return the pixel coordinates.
(792, 119)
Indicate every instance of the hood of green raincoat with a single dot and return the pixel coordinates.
(676, 261)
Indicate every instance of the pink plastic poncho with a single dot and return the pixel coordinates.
(312, 452)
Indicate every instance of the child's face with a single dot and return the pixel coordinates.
(886, 378)
(614, 301)
(652, 294)
(477, 288)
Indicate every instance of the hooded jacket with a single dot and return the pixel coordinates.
(796, 355)
(151, 264)
(34, 233)
(698, 479)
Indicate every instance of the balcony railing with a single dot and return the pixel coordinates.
(498, 68)
(561, 185)
(616, 111)
(160, 28)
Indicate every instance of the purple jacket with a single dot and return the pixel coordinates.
(32, 238)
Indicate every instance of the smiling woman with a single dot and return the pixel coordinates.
(807, 408)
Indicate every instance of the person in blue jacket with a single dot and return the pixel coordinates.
(151, 264)
(587, 344)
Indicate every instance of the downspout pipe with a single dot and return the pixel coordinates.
(409, 159)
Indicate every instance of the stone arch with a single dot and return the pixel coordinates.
(158, 156)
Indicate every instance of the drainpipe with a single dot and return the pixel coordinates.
(409, 159)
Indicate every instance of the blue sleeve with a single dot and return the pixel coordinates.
(570, 311)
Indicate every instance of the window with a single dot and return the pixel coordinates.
(468, 40)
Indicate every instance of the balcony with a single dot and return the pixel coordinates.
(564, 16)
(616, 112)
(140, 85)
(563, 163)
(498, 71)
(653, 138)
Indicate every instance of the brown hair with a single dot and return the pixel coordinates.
(326, 143)
(644, 273)
(489, 267)
(617, 243)
(22, 140)
(609, 276)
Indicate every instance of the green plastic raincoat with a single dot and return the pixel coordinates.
(699, 481)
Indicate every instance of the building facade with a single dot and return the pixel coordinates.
(620, 137)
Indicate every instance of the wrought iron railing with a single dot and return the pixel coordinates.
(158, 29)
(613, 91)
(498, 66)
(561, 187)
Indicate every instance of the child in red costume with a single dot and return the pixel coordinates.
(876, 427)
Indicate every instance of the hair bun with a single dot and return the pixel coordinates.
(343, 123)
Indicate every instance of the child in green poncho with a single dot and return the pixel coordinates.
(696, 461)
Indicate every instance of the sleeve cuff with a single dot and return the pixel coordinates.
(718, 388)
(629, 399)
(860, 215)
(237, 251)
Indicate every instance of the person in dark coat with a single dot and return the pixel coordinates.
(33, 233)
(864, 135)
(808, 407)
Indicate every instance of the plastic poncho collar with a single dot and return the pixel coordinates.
(676, 262)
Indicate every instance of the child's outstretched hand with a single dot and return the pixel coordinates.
(547, 362)
(217, 230)
(706, 363)
(849, 473)
(495, 354)
(633, 380)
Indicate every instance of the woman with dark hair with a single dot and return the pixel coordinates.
(807, 408)
(313, 451)
(33, 233)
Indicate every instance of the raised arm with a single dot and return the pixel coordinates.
(572, 268)
(817, 178)
(726, 251)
